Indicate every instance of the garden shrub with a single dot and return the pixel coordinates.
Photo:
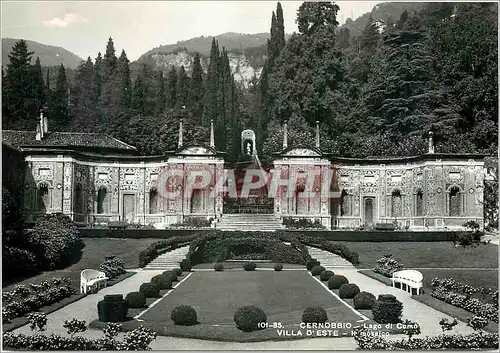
(136, 300)
(113, 308)
(247, 318)
(184, 315)
(250, 266)
(112, 267)
(364, 300)
(162, 282)
(149, 290)
(387, 309)
(170, 275)
(311, 263)
(336, 281)
(155, 249)
(218, 267)
(316, 270)
(325, 275)
(278, 267)
(177, 271)
(56, 240)
(314, 315)
(348, 291)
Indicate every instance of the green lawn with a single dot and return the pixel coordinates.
(217, 295)
(426, 254)
(94, 252)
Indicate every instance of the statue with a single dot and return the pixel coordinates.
(249, 148)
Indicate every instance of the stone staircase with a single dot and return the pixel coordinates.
(249, 222)
(329, 260)
(168, 260)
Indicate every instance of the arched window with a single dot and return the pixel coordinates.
(419, 203)
(455, 202)
(396, 204)
(102, 200)
(78, 199)
(43, 197)
(153, 201)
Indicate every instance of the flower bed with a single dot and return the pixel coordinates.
(112, 267)
(474, 305)
(23, 299)
(386, 266)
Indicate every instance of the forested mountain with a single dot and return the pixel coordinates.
(380, 93)
(49, 55)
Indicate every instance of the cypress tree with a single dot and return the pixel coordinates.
(122, 97)
(85, 119)
(60, 98)
(172, 88)
(108, 69)
(160, 95)
(280, 29)
(182, 89)
(210, 107)
(196, 92)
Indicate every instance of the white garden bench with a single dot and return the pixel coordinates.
(92, 279)
(410, 278)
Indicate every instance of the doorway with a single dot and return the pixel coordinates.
(129, 208)
(369, 203)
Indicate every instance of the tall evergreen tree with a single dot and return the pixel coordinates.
(210, 107)
(121, 97)
(182, 89)
(197, 90)
(16, 89)
(160, 95)
(144, 94)
(59, 107)
(98, 75)
(38, 87)
(85, 118)
(172, 88)
(107, 69)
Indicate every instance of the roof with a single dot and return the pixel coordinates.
(77, 140)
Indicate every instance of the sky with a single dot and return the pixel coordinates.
(83, 27)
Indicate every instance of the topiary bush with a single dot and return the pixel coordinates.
(170, 275)
(113, 308)
(316, 270)
(387, 309)
(162, 282)
(149, 290)
(177, 271)
(336, 281)
(314, 315)
(186, 265)
(184, 315)
(325, 275)
(218, 267)
(247, 318)
(250, 266)
(136, 300)
(311, 263)
(364, 300)
(348, 291)
(278, 267)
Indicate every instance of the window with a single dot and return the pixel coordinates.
(153, 201)
(102, 200)
(455, 202)
(345, 204)
(419, 204)
(396, 204)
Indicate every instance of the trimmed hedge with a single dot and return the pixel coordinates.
(136, 300)
(170, 275)
(162, 246)
(316, 270)
(325, 275)
(139, 233)
(374, 236)
(149, 290)
(184, 315)
(247, 318)
(113, 308)
(387, 309)
(278, 267)
(336, 281)
(177, 271)
(249, 266)
(364, 300)
(218, 267)
(348, 291)
(186, 265)
(314, 315)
